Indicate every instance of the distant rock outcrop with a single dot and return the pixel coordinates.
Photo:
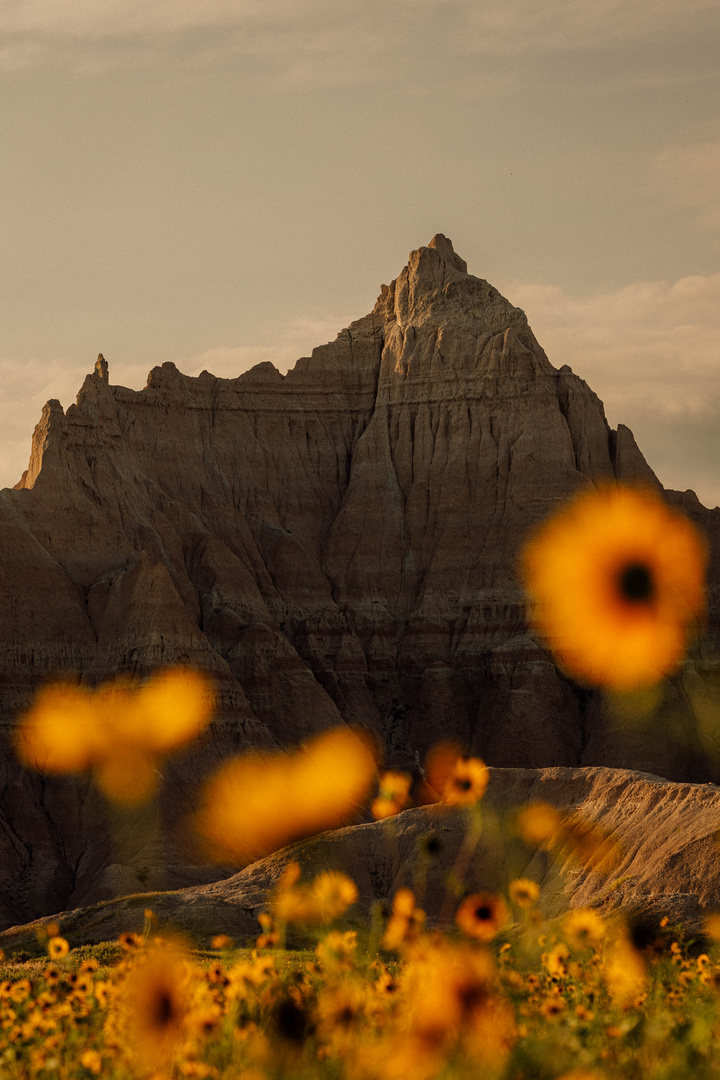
(663, 837)
(337, 545)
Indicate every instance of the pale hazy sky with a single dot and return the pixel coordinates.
(217, 182)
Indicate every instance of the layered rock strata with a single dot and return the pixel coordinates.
(337, 545)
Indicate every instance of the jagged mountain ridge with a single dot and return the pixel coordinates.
(335, 545)
(352, 504)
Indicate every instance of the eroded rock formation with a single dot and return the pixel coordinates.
(335, 545)
(662, 861)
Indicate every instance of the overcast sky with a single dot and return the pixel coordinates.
(218, 182)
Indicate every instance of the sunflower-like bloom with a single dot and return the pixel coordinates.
(482, 915)
(453, 997)
(57, 948)
(452, 778)
(338, 949)
(524, 892)
(257, 803)
(467, 782)
(556, 960)
(119, 731)
(156, 1006)
(584, 927)
(552, 1007)
(616, 579)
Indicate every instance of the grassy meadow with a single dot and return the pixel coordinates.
(579, 998)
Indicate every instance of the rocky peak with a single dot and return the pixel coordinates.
(338, 545)
(435, 296)
(443, 246)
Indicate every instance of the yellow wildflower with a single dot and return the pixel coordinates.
(584, 927)
(616, 579)
(118, 731)
(156, 1006)
(524, 892)
(57, 948)
(482, 915)
(257, 803)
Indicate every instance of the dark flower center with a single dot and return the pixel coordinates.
(164, 1009)
(636, 583)
(483, 913)
(463, 785)
(292, 1021)
(345, 1016)
(472, 995)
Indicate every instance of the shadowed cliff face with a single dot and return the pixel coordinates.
(336, 545)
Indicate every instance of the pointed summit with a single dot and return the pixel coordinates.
(443, 246)
(435, 288)
(101, 367)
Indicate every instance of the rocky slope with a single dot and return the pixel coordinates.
(663, 838)
(335, 545)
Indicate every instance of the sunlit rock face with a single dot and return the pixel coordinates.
(338, 545)
(658, 860)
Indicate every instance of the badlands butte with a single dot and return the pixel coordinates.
(337, 546)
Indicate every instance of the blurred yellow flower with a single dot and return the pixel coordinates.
(334, 892)
(393, 795)
(338, 948)
(155, 1006)
(625, 970)
(452, 995)
(129, 940)
(589, 843)
(340, 1007)
(406, 922)
(91, 1060)
(221, 941)
(584, 927)
(57, 948)
(320, 901)
(616, 579)
(553, 1007)
(556, 960)
(538, 823)
(524, 892)
(541, 825)
(467, 782)
(118, 731)
(257, 803)
(482, 915)
(452, 778)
